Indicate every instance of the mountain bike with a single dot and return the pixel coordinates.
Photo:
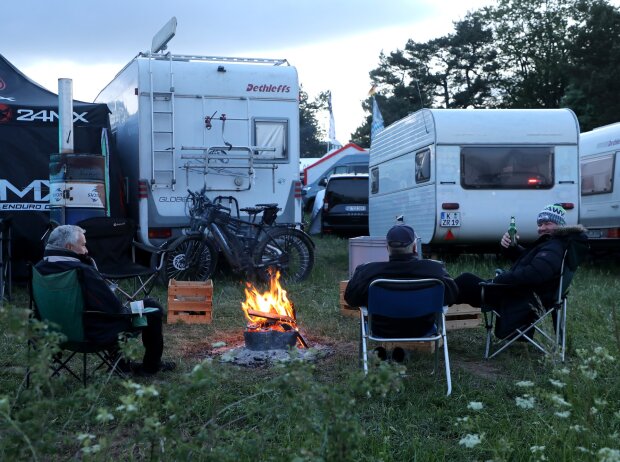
(251, 247)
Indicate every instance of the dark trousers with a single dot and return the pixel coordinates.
(152, 337)
(469, 289)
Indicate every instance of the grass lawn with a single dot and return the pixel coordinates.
(519, 406)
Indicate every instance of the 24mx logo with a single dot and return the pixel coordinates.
(28, 115)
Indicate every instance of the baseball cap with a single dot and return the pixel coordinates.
(400, 236)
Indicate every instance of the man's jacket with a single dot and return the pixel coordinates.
(97, 294)
(399, 267)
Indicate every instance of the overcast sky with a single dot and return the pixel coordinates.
(332, 43)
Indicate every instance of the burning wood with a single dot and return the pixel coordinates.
(270, 310)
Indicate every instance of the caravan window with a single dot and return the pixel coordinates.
(374, 180)
(506, 167)
(271, 134)
(597, 175)
(423, 166)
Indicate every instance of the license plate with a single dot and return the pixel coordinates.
(355, 208)
(450, 219)
(594, 233)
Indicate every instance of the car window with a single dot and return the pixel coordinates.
(348, 190)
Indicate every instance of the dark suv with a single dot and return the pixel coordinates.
(345, 206)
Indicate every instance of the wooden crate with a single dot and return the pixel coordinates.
(345, 309)
(424, 347)
(462, 317)
(190, 301)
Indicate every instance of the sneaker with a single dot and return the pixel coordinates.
(398, 354)
(381, 353)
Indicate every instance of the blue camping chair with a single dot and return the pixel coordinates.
(394, 300)
(548, 342)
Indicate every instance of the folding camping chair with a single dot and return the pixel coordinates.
(550, 342)
(57, 299)
(394, 300)
(110, 242)
(5, 259)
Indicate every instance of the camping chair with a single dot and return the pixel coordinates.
(398, 299)
(5, 260)
(57, 299)
(110, 242)
(550, 342)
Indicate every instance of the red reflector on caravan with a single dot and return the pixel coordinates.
(450, 206)
(297, 188)
(449, 235)
(160, 233)
(143, 189)
(567, 205)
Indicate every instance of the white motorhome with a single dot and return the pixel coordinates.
(600, 201)
(458, 175)
(230, 125)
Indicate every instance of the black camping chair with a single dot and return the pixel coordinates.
(111, 243)
(5, 259)
(57, 300)
(497, 308)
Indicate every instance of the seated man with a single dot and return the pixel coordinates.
(66, 250)
(402, 264)
(535, 271)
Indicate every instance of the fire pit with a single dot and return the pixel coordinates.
(272, 324)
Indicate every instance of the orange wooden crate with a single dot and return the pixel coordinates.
(345, 309)
(190, 301)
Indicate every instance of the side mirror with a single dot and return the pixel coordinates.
(323, 181)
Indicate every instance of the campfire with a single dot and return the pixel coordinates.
(271, 318)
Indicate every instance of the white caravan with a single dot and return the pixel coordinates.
(458, 175)
(230, 125)
(600, 200)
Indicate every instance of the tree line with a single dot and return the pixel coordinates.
(514, 54)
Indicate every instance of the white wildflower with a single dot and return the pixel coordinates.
(535, 449)
(600, 402)
(557, 383)
(584, 450)
(577, 428)
(563, 414)
(564, 371)
(91, 449)
(557, 399)
(525, 383)
(462, 420)
(593, 410)
(470, 440)
(85, 436)
(608, 455)
(103, 415)
(617, 415)
(475, 405)
(525, 401)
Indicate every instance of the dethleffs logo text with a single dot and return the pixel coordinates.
(268, 88)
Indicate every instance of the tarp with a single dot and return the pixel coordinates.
(28, 135)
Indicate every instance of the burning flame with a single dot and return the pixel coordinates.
(273, 304)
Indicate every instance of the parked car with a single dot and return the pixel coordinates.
(345, 205)
(354, 163)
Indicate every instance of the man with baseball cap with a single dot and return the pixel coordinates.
(535, 271)
(402, 264)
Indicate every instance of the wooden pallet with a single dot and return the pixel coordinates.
(190, 301)
(345, 309)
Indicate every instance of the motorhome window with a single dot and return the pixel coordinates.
(597, 175)
(374, 180)
(423, 166)
(504, 167)
(271, 134)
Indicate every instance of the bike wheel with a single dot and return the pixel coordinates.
(190, 259)
(288, 250)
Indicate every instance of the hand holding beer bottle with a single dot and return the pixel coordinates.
(512, 232)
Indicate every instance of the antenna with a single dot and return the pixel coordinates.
(165, 34)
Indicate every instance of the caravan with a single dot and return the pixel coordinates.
(600, 200)
(230, 125)
(458, 175)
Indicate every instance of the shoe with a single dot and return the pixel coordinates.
(381, 353)
(167, 366)
(398, 354)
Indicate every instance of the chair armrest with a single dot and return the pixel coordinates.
(147, 248)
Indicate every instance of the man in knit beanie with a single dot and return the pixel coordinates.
(535, 270)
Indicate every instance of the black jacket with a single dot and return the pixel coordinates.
(538, 267)
(399, 267)
(97, 294)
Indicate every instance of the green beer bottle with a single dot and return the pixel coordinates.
(512, 232)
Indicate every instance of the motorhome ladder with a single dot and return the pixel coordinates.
(163, 174)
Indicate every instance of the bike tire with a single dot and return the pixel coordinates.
(190, 258)
(286, 249)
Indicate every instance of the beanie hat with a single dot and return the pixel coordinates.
(400, 236)
(553, 213)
